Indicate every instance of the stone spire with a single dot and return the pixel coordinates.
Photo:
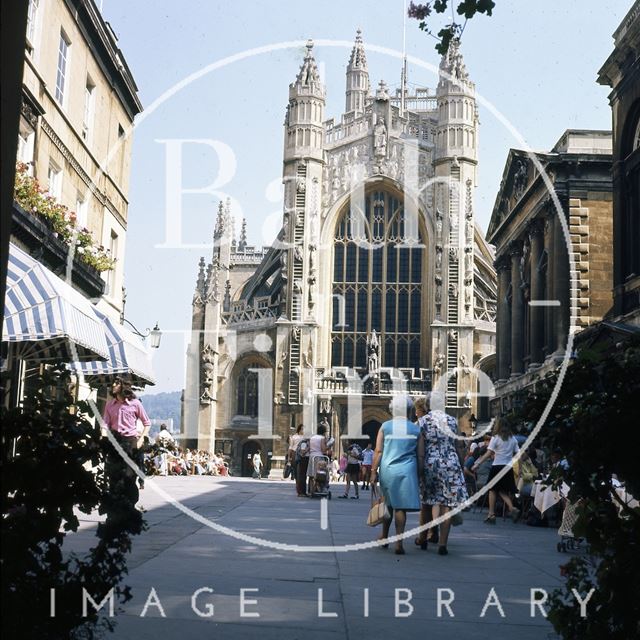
(452, 64)
(242, 245)
(357, 89)
(219, 229)
(308, 75)
(199, 293)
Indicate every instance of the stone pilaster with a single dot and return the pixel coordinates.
(549, 326)
(517, 311)
(536, 314)
(503, 327)
(562, 282)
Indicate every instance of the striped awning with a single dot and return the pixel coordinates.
(46, 318)
(128, 356)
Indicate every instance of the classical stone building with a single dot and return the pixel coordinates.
(542, 296)
(621, 72)
(379, 280)
(79, 100)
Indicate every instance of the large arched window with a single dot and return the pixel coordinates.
(247, 392)
(377, 284)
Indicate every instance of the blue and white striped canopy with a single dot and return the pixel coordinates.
(47, 319)
(128, 356)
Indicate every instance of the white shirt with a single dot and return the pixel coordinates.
(166, 436)
(315, 445)
(504, 450)
(294, 441)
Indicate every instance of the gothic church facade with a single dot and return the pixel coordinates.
(379, 281)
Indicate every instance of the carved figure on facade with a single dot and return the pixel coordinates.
(325, 406)
(295, 332)
(520, 178)
(468, 292)
(438, 257)
(452, 336)
(373, 352)
(307, 358)
(438, 364)
(438, 294)
(380, 139)
(468, 261)
(438, 224)
(453, 254)
(453, 290)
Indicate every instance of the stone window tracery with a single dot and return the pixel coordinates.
(379, 277)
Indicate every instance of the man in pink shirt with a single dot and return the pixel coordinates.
(121, 415)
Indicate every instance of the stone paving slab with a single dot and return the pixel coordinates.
(178, 555)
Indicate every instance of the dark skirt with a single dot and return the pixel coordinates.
(506, 484)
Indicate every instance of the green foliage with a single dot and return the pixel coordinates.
(33, 198)
(54, 467)
(466, 8)
(595, 423)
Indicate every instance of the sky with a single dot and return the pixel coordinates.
(200, 80)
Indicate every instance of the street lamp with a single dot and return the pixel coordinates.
(154, 334)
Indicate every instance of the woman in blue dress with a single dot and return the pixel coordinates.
(398, 460)
(444, 485)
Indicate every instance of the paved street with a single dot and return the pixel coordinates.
(177, 556)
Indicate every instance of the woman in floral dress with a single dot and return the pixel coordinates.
(443, 485)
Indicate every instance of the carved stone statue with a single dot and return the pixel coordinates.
(438, 364)
(438, 289)
(373, 352)
(438, 257)
(380, 139)
(520, 178)
(453, 290)
(325, 405)
(438, 224)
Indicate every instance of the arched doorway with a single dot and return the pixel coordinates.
(248, 449)
(371, 429)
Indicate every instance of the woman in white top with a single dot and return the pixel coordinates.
(318, 446)
(503, 446)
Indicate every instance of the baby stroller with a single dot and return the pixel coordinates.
(568, 542)
(320, 475)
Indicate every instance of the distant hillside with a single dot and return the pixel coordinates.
(163, 405)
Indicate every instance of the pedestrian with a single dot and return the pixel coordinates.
(367, 461)
(342, 467)
(318, 447)
(444, 485)
(352, 471)
(121, 415)
(502, 447)
(398, 459)
(165, 440)
(257, 465)
(302, 464)
(294, 441)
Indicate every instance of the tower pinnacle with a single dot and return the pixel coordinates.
(357, 89)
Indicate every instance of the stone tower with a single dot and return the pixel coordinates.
(455, 170)
(302, 177)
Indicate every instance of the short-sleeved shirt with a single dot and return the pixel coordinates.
(504, 450)
(294, 441)
(123, 416)
(354, 454)
(367, 457)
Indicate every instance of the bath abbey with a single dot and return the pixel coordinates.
(378, 282)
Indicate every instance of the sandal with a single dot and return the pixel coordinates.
(423, 545)
(491, 519)
(383, 546)
(344, 497)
